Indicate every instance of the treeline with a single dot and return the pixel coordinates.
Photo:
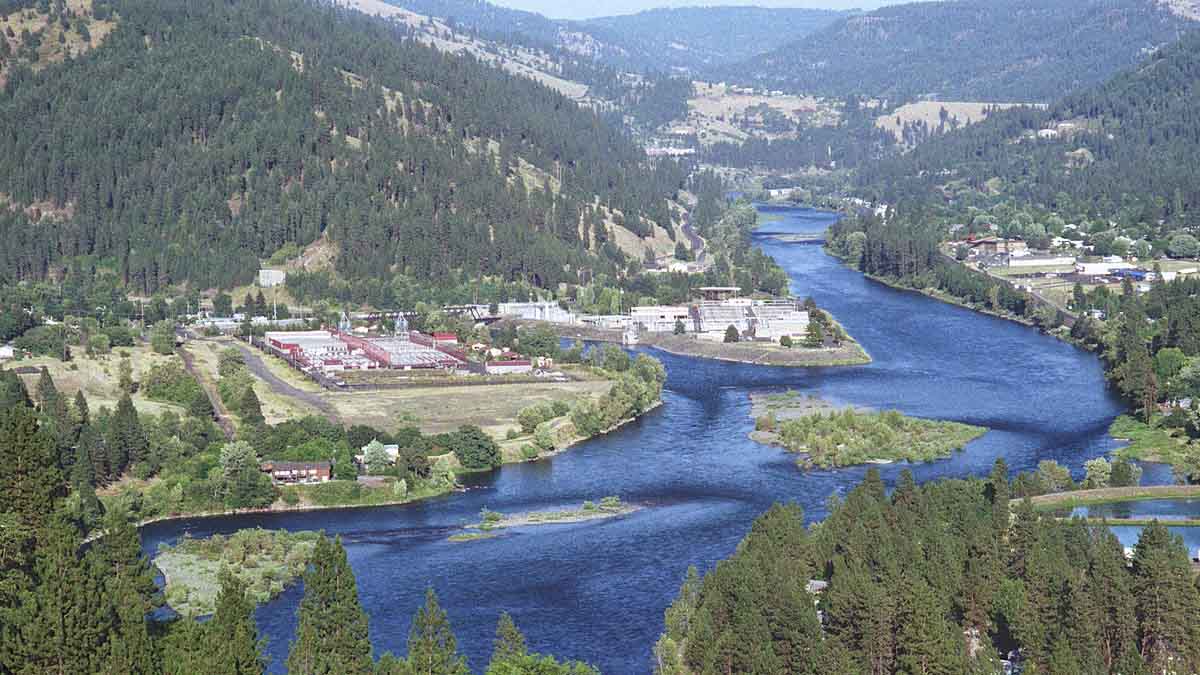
(943, 578)
(904, 250)
(218, 133)
(853, 143)
(70, 608)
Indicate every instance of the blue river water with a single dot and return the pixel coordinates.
(596, 591)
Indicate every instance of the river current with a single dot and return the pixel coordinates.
(596, 591)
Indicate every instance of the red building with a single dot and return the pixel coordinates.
(290, 473)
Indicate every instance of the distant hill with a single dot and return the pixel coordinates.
(193, 139)
(686, 40)
(1121, 152)
(697, 38)
(972, 50)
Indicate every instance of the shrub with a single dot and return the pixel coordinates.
(170, 382)
(610, 503)
(529, 451)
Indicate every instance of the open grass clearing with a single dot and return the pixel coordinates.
(98, 377)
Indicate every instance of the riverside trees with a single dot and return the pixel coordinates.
(930, 579)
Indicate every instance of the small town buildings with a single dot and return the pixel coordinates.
(536, 311)
(999, 246)
(659, 318)
(291, 473)
(1099, 269)
(445, 338)
(271, 278)
(515, 367)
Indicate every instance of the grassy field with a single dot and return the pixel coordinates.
(1147, 443)
(1070, 500)
(265, 560)
(98, 377)
(929, 112)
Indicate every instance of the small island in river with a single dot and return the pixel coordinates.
(826, 435)
(265, 560)
(609, 507)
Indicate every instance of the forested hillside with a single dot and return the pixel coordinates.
(655, 41)
(942, 578)
(1122, 152)
(697, 38)
(975, 50)
(201, 136)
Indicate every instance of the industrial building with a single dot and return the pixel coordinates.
(340, 351)
(660, 318)
(536, 311)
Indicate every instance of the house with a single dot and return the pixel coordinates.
(271, 278)
(519, 367)
(659, 318)
(999, 245)
(393, 451)
(448, 339)
(291, 473)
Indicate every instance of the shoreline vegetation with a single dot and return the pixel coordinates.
(266, 561)
(825, 435)
(490, 521)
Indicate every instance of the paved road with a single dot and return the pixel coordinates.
(255, 363)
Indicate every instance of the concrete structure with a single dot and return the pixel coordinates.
(659, 318)
(289, 473)
(271, 278)
(1099, 269)
(509, 367)
(776, 320)
(537, 311)
(1042, 261)
(607, 321)
(718, 293)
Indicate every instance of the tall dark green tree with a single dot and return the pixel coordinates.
(331, 631)
(432, 647)
(233, 627)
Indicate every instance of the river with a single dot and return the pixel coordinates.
(596, 591)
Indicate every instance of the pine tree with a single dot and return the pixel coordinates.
(62, 620)
(83, 478)
(331, 631)
(1112, 595)
(233, 627)
(927, 641)
(432, 648)
(31, 481)
(250, 409)
(201, 407)
(12, 391)
(127, 442)
(509, 641)
(1167, 604)
(130, 651)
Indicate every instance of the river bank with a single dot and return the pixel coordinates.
(848, 353)
(1076, 498)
